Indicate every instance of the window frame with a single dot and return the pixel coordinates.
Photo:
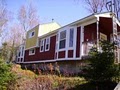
(42, 42)
(62, 39)
(70, 32)
(47, 43)
(30, 34)
(30, 51)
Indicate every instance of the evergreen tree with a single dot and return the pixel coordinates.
(101, 67)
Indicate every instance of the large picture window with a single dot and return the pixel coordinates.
(47, 44)
(62, 42)
(71, 37)
(42, 45)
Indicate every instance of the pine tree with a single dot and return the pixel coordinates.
(101, 67)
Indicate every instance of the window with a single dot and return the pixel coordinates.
(18, 52)
(32, 51)
(71, 37)
(22, 51)
(62, 42)
(47, 44)
(31, 34)
(42, 45)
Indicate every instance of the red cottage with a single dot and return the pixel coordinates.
(68, 45)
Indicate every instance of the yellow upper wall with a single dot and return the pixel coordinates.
(39, 30)
(32, 41)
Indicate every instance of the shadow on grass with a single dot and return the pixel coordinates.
(94, 86)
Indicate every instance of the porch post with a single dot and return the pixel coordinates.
(98, 33)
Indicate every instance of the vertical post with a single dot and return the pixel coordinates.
(115, 37)
(98, 33)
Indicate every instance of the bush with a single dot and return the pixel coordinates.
(6, 76)
(101, 66)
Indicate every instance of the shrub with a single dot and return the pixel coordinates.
(101, 66)
(6, 76)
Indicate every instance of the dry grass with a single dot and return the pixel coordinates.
(27, 80)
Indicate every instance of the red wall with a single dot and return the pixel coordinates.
(106, 26)
(46, 55)
(90, 32)
(118, 28)
(61, 54)
(70, 53)
(78, 42)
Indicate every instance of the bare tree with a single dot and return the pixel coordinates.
(13, 40)
(3, 15)
(95, 6)
(117, 8)
(28, 17)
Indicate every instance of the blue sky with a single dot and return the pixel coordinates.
(62, 11)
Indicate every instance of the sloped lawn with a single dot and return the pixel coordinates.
(27, 80)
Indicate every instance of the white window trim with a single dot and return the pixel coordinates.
(73, 38)
(61, 49)
(47, 43)
(42, 45)
(32, 53)
(67, 43)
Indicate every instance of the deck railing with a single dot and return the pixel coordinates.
(86, 46)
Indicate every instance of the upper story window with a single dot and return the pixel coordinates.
(62, 42)
(71, 37)
(42, 45)
(32, 51)
(47, 44)
(31, 34)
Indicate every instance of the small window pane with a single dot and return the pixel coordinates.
(47, 47)
(47, 44)
(33, 33)
(62, 44)
(71, 37)
(42, 45)
(47, 40)
(41, 48)
(63, 35)
(19, 54)
(32, 51)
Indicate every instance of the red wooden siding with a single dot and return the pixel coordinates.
(106, 26)
(70, 53)
(46, 55)
(118, 28)
(61, 54)
(90, 32)
(78, 42)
